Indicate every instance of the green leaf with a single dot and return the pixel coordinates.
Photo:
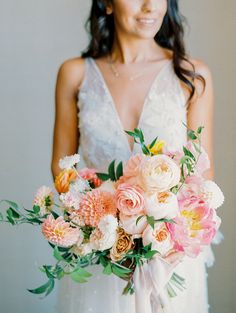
(147, 247)
(166, 220)
(171, 291)
(10, 217)
(120, 272)
(151, 221)
(189, 153)
(36, 209)
(12, 204)
(107, 270)
(150, 254)
(140, 134)
(200, 129)
(139, 218)
(57, 254)
(60, 273)
(197, 148)
(145, 149)
(132, 134)
(55, 215)
(1, 217)
(103, 176)
(111, 171)
(13, 213)
(80, 275)
(49, 271)
(119, 170)
(51, 287)
(153, 143)
(191, 134)
(103, 261)
(44, 288)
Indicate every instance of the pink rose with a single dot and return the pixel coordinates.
(129, 199)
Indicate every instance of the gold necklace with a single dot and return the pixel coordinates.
(117, 74)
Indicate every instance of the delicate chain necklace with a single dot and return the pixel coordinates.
(117, 74)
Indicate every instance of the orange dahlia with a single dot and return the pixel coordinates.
(95, 204)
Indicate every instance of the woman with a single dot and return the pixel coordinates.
(135, 73)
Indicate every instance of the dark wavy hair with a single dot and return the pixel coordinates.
(170, 36)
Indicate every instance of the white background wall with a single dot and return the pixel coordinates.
(35, 38)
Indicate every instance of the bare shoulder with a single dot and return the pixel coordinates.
(202, 69)
(71, 72)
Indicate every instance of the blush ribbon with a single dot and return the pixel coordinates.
(150, 280)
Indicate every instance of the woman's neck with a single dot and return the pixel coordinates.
(136, 51)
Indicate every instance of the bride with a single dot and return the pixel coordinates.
(134, 73)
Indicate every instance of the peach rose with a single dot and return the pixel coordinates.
(159, 237)
(122, 245)
(63, 180)
(162, 205)
(129, 199)
(128, 223)
(158, 173)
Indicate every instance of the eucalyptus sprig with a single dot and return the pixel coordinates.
(188, 162)
(138, 136)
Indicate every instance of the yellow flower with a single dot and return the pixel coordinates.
(158, 147)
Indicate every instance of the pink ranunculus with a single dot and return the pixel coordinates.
(130, 225)
(195, 227)
(90, 175)
(129, 199)
(59, 232)
(158, 173)
(96, 204)
(159, 237)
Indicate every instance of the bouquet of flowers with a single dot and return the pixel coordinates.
(136, 220)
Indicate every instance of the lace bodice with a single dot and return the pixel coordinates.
(102, 137)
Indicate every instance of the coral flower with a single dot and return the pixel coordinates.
(96, 204)
(63, 180)
(90, 175)
(59, 232)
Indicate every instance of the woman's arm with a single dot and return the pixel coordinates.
(66, 134)
(200, 112)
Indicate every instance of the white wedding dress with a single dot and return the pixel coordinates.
(103, 140)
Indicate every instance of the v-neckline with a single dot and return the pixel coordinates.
(113, 104)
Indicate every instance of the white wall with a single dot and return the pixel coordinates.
(212, 38)
(35, 39)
